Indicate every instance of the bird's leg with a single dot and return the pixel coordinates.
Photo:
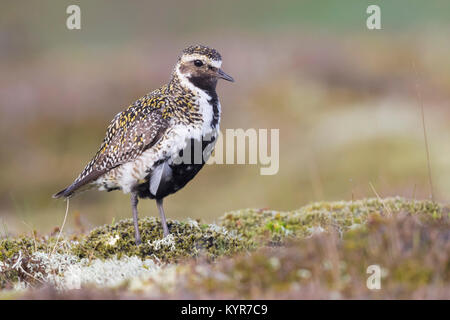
(134, 203)
(159, 204)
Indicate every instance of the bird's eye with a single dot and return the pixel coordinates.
(198, 63)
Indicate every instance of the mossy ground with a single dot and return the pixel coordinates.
(318, 251)
(188, 239)
(275, 226)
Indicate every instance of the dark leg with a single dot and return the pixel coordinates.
(159, 204)
(134, 202)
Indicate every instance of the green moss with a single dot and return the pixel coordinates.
(275, 226)
(187, 239)
(358, 234)
(238, 230)
(10, 247)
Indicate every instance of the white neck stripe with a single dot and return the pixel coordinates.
(184, 81)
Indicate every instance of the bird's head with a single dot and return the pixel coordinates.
(200, 66)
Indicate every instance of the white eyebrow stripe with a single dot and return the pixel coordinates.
(192, 57)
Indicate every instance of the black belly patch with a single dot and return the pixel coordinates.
(178, 174)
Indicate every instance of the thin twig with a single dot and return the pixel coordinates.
(62, 227)
(379, 199)
(419, 97)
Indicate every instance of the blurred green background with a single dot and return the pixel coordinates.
(346, 100)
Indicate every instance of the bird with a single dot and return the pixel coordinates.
(160, 142)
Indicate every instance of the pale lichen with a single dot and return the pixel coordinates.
(109, 273)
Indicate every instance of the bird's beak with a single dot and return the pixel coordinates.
(224, 76)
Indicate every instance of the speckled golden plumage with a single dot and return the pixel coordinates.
(133, 130)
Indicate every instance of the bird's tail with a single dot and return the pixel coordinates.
(61, 194)
(65, 193)
(79, 185)
(72, 190)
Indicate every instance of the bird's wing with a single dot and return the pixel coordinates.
(129, 134)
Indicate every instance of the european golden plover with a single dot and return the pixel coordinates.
(161, 141)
